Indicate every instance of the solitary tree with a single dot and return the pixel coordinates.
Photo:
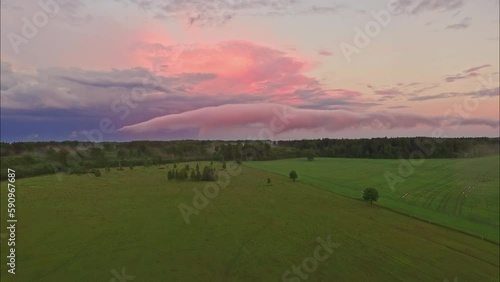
(293, 175)
(268, 181)
(310, 154)
(370, 194)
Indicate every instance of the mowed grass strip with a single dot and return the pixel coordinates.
(459, 193)
(83, 227)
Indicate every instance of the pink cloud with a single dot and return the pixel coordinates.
(270, 116)
(240, 66)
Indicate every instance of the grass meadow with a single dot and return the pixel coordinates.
(459, 193)
(87, 228)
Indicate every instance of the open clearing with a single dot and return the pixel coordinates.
(459, 193)
(83, 227)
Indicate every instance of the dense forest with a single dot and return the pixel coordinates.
(37, 158)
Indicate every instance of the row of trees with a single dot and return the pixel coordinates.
(186, 173)
(36, 158)
(393, 148)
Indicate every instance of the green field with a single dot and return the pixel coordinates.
(84, 227)
(459, 193)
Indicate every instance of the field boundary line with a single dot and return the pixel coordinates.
(396, 211)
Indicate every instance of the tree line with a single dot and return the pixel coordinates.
(37, 158)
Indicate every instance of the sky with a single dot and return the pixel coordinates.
(119, 70)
